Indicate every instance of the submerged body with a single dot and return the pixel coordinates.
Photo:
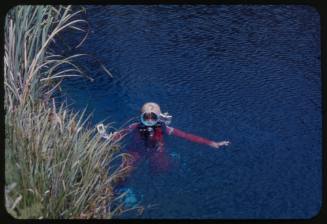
(148, 138)
(150, 144)
(147, 141)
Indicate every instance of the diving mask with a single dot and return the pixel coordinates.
(151, 118)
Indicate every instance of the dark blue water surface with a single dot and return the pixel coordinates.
(248, 74)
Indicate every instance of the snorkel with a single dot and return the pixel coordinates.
(165, 118)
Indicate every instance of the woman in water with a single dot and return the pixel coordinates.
(148, 136)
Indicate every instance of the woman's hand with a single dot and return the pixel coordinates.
(218, 144)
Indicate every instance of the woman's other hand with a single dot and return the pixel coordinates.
(218, 144)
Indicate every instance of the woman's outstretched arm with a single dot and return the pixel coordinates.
(115, 135)
(121, 133)
(194, 138)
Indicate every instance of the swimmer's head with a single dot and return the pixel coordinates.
(150, 114)
(151, 107)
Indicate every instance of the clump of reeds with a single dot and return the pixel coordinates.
(56, 164)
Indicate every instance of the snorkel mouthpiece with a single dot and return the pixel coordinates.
(150, 131)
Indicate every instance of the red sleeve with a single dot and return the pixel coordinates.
(124, 131)
(187, 136)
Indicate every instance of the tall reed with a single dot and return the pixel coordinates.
(56, 164)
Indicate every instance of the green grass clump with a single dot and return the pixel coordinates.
(56, 166)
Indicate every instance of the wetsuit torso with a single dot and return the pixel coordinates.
(152, 137)
(145, 144)
(151, 141)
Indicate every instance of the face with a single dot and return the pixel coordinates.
(150, 114)
(149, 118)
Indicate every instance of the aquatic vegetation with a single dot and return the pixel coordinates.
(56, 166)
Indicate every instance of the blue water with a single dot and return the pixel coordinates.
(248, 74)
